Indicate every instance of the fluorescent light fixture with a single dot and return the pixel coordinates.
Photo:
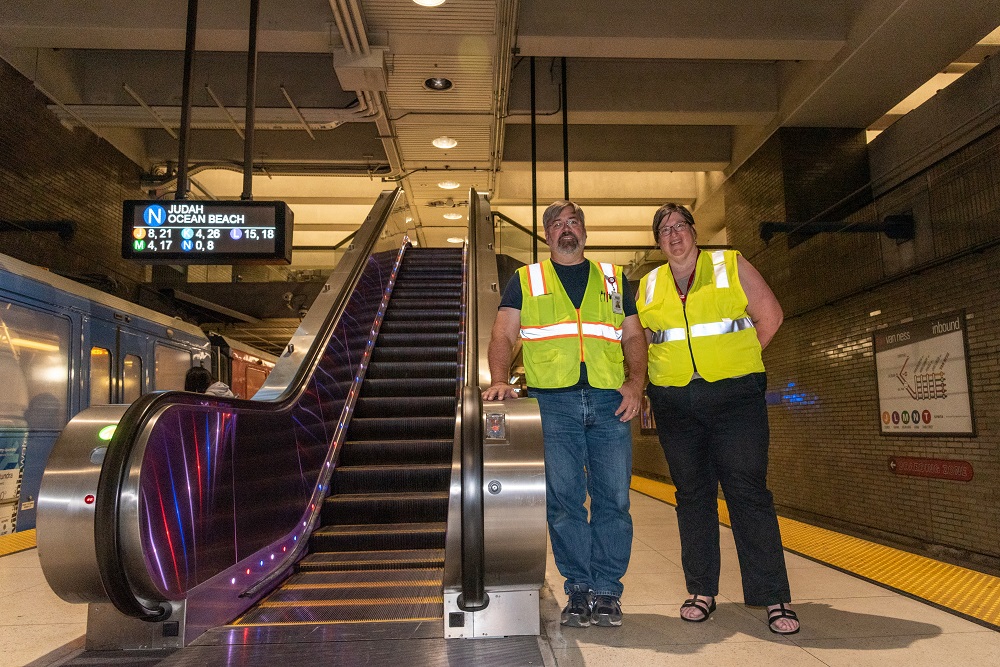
(445, 142)
(455, 239)
(449, 185)
(429, 3)
(453, 216)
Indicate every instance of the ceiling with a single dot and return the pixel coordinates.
(664, 100)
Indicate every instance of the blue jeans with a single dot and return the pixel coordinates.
(587, 450)
(712, 433)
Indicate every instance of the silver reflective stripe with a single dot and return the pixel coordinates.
(665, 336)
(561, 330)
(603, 331)
(723, 327)
(719, 267)
(609, 277)
(536, 280)
(651, 285)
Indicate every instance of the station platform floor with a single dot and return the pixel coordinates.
(847, 619)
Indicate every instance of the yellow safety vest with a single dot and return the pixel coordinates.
(556, 337)
(711, 330)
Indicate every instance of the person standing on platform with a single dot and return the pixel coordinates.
(577, 323)
(708, 315)
(200, 379)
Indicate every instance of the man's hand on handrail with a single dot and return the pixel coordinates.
(499, 391)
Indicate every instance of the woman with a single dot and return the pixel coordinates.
(707, 317)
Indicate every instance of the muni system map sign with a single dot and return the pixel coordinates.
(923, 377)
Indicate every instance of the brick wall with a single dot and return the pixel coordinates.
(828, 459)
(48, 172)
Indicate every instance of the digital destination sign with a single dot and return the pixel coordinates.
(207, 232)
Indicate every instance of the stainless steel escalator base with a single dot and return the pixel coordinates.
(363, 631)
(506, 652)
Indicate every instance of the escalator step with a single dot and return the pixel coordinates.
(424, 303)
(365, 577)
(374, 452)
(384, 610)
(410, 341)
(372, 537)
(376, 508)
(435, 323)
(416, 370)
(392, 428)
(394, 354)
(410, 387)
(424, 289)
(352, 592)
(412, 406)
(391, 478)
(451, 315)
(399, 559)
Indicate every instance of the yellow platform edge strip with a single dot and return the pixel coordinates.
(969, 593)
(11, 544)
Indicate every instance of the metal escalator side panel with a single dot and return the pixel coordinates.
(66, 506)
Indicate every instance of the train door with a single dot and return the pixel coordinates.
(116, 364)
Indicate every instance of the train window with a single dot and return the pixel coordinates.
(255, 379)
(131, 378)
(100, 376)
(34, 355)
(172, 365)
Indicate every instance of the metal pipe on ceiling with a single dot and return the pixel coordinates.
(152, 112)
(534, 169)
(218, 103)
(298, 113)
(251, 102)
(565, 134)
(182, 149)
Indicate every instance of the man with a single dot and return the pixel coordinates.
(577, 321)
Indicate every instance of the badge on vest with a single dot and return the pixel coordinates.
(616, 303)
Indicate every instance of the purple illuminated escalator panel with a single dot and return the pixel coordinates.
(218, 484)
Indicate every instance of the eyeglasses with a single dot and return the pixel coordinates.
(678, 227)
(568, 222)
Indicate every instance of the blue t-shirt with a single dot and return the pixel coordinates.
(574, 279)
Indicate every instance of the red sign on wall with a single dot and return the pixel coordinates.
(959, 471)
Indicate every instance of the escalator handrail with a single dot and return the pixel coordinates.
(473, 597)
(118, 459)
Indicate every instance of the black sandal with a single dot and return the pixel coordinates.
(699, 604)
(779, 613)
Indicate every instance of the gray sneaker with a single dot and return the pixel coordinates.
(576, 613)
(607, 611)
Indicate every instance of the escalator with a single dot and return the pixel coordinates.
(378, 555)
(356, 497)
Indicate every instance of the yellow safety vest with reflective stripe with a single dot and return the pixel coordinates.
(556, 337)
(712, 327)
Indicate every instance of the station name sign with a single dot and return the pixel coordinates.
(207, 232)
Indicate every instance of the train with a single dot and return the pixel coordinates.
(65, 347)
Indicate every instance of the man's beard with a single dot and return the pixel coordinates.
(568, 243)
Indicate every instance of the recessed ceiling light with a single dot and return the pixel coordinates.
(455, 239)
(445, 142)
(437, 83)
(429, 3)
(453, 216)
(449, 185)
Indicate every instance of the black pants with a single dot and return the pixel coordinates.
(712, 433)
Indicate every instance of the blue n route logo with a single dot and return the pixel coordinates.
(187, 245)
(154, 215)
